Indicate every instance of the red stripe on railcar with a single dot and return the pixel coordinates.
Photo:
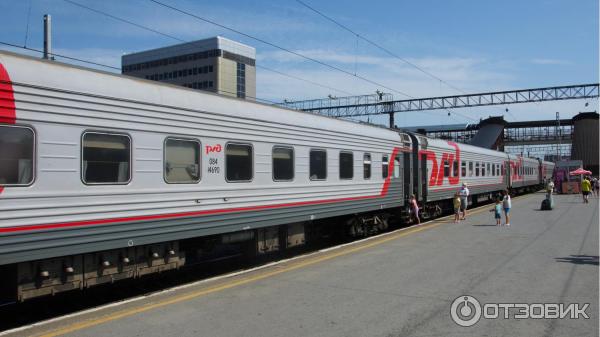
(383, 193)
(7, 98)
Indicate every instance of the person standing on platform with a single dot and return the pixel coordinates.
(549, 190)
(464, 200)
(456, 203)
(586, 187)
(497, 211)
(414, 207)
(506, 204)
(550, 186)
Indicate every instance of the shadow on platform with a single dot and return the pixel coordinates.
(579, 259)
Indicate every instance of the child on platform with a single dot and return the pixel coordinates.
(456, 202)
(498, 211)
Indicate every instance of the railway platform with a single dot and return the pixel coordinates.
(402, 283)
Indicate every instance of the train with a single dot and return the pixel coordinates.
(106, 177)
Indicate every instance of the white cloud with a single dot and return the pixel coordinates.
(467, 74)
(545, 61)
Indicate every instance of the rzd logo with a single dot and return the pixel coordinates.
(210, 149)
(437, 170)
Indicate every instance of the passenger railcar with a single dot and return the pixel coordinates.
(106, 177)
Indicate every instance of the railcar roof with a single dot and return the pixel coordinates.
(53, 74)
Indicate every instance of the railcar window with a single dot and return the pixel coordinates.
(477, 169)
(446, 168)
(318, 165)
(488, 168)
(384, 167)
(482, 169)
(16, 155)
(106, 158)
(455, 168)
(463, 169)
(346, 165)
(238, 162)
(470, 169)
(182, 161)
(397, 167)
(283, 163)
(367, 166)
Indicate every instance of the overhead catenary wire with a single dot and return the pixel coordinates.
(97, 11)
(371, 42)
(27, 26)
(108, 66)
(389, 52)
(61, 56)
(286, 50)
(124, 20)
(325, 64)
(114, 17)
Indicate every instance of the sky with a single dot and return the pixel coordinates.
(472, 45)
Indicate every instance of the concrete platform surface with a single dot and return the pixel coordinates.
(398, 284)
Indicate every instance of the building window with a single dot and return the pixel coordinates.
(238, 162)
(241, 80)
(182, 161)
(384, 167)
(17, 148)
(283, 163)
(210, 69)
(367, 166)
(106, 158)
(318, 165)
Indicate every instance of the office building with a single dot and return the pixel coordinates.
(216, 64)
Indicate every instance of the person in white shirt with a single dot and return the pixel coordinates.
(464, 197)
(506, 204)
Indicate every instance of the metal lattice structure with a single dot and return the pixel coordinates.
(355, 106)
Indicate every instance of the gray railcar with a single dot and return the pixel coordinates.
(106, 177)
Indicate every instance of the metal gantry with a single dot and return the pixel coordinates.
(355, 106)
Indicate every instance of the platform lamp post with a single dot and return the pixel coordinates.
(558, 134)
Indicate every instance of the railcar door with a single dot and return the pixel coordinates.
(406, 175)
(424, 174)
(399, 176)
(508, 174)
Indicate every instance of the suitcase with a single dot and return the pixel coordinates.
(546, 205)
